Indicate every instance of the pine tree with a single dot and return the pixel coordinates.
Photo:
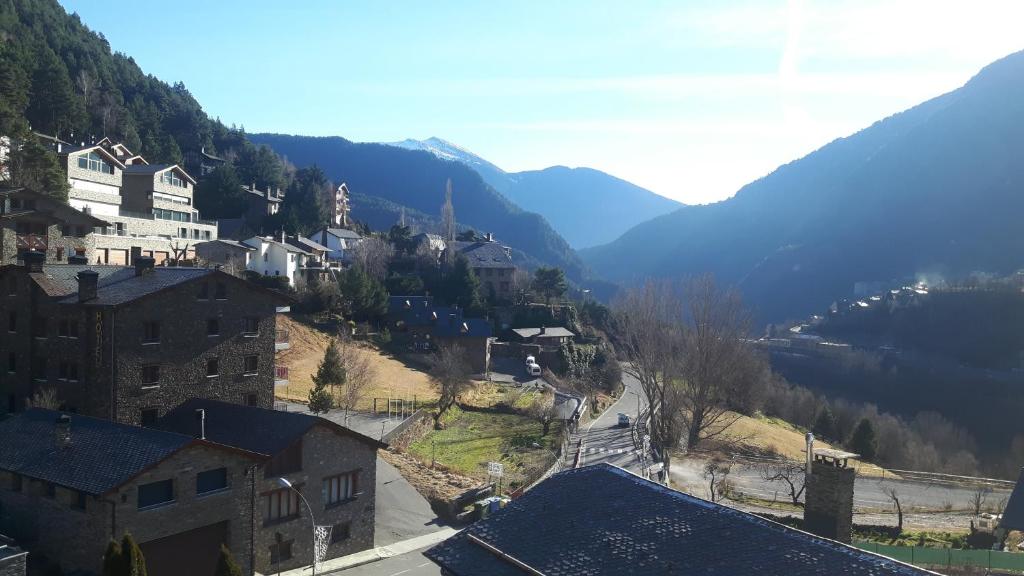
(226, 565)
(54, 107)
(34, 167)
(464, 287)
(113, 563)
(863, 440)
(320, 400)
(825, 425)
(331, 372)
(133, 563)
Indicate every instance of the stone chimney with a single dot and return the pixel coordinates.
(62, 432)
(144, 265)
(87, 281)
(828, 510)
(34, 260)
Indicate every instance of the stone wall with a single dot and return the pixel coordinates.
(77, 173)
(828, 511)
(325, 453)
(12, 559)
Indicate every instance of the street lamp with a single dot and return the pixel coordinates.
(284, 483)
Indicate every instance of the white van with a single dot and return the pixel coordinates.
(533, 369)
(530, 360)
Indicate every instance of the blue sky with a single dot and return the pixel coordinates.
(689, 99)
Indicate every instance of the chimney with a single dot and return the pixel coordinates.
(201, 418)
(34, 260)
(282, 236)
(87, 280)
(810, 452)
(828, 494)
(542, 331)
(489, 236)
(62, 431)
(254, 186)
(144, 265)
(77, 259)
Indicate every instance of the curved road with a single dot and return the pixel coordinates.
(604, 440)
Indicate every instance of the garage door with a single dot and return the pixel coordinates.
(193, 552)
(118, 257)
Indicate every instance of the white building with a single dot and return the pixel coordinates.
(338, 241)
(276, 257)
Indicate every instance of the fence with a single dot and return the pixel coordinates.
(949, 557)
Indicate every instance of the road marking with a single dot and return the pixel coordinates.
(424, 564)
(402, 572)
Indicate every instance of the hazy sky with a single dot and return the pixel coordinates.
(691, 100)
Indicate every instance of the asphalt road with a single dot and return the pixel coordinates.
(411, 564)
(605, 441)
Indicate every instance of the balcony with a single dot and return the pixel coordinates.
(280, 375)
(282, 340)
(37, 242)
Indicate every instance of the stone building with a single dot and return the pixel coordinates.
(130, 343)
(334, 469)
(231, 254)
(72, 483)
(472, 335)
(35, 222)
(492, 264)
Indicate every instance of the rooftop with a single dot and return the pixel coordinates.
(344, 233)
(100, 456)
(250, 428)
(125, 286)
(600, 520)
(232, 243)
(289, 247)
(552, 332)
(484, 254)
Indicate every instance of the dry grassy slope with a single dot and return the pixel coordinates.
(391, 378)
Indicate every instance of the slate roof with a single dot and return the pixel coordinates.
(484, 254)
(344, 233)
(45, 205)
(1013, 515)
(552, 332)
(247, 427)
(232, 243)
(151, 169)
(62, 279)
(601, 520)
(418, 312)
(307, 244)
(462, 327)
(101, 456)
(126, 287)
(286, 246)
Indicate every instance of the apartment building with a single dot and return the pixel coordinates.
(34, 222)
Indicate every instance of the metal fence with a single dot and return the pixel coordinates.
(921, 556)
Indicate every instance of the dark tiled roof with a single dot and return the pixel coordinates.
(601, 520)
(462, 327)
(48, 206)
(126, 287)
(307, 244)
(552, 332)
(289, 247)
(101, 456)
(412, 310)
(484, 254)
(344, 233)
(232, 243)
(1013, 515)
(254, 429)
(62, 279)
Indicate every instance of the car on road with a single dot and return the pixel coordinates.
(623, 420)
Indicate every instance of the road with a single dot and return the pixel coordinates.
(410, 564)
(604, 440)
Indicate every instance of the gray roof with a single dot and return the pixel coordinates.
(343, 233)
(306, 243)
(286, 246)
(101, 456)
(126, 287)
(484, 254)
(1013, 515)
(253, 429)
(232, 243)
(62, 279)
(601, 520)
(552, 332)
(9, 551)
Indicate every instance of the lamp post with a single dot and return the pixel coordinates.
(284, 483)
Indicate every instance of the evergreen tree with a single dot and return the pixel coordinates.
(464, 287)
(320, 400)
(401, 238)
(825, 424)
(54, 108)
(226, 565)
(331, 372)
(549, 282)
(220, 195)
(113, 563)
(364, 296)
(36, 168)
(863, 440)
(133, 563)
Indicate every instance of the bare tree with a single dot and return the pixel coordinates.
(717, 363)
(359, 374)
(978, 498)
(716, 473)
(449, 372)
(373, 254)
(649, 333)
(85, 83)
(895, 498)
(544, 411)
(448, 214)
(179, 253)
(792, 474)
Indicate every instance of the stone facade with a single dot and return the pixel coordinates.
(828, 511)
(13, 560)
(325, 453)
(76, 173)
(477, 350)
(57, 526)
(109, 354)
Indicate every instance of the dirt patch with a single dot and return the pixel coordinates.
(431, 483)
(392, 379)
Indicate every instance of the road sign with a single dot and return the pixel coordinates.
(495, 469)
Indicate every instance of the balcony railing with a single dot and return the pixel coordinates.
(281, 340)
(280, 373)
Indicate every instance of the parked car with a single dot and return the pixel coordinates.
(530, 360)
(623, 420)
(533, 369)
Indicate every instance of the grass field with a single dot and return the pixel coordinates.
(392, 379)
(472, 439)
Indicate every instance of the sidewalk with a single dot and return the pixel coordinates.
(374, 554)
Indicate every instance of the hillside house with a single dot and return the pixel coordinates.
(553, 336)
(333, 467)
(339, 242)
(492, 264)
(276, 257)
(472, 335)
(35, 222)
(230, 254)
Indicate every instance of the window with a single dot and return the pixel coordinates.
(68, 371)
(148, 417)
(12, 322)
(12, 362)
(95, 163)
(173, 179)
(150, 332)
(204, 291)
(266, 256)
(251, 400)
(211, 480)
(212, 327)
(212, 367)
(281, 551)
(156, 494)
(250, 326)
(39, 368)
(338, 489)
(341, 532)
(251, 364)
(221, 291)
(285, 462)
(151, 374)
(67, 328)
(280, 504)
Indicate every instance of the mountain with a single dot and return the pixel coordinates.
(572, 199)
(416, 179)
(934, 190)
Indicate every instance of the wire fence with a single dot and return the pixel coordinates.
(949, 557)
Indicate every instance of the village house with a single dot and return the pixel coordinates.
(276, 256)
(339, 242)
(492, 264)
(333, 467)
(35, 222)
(232, 255)
(130, 343)
(471, 335)
(544, 336)
(73, 483)
(202, 162)
(416, 322)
